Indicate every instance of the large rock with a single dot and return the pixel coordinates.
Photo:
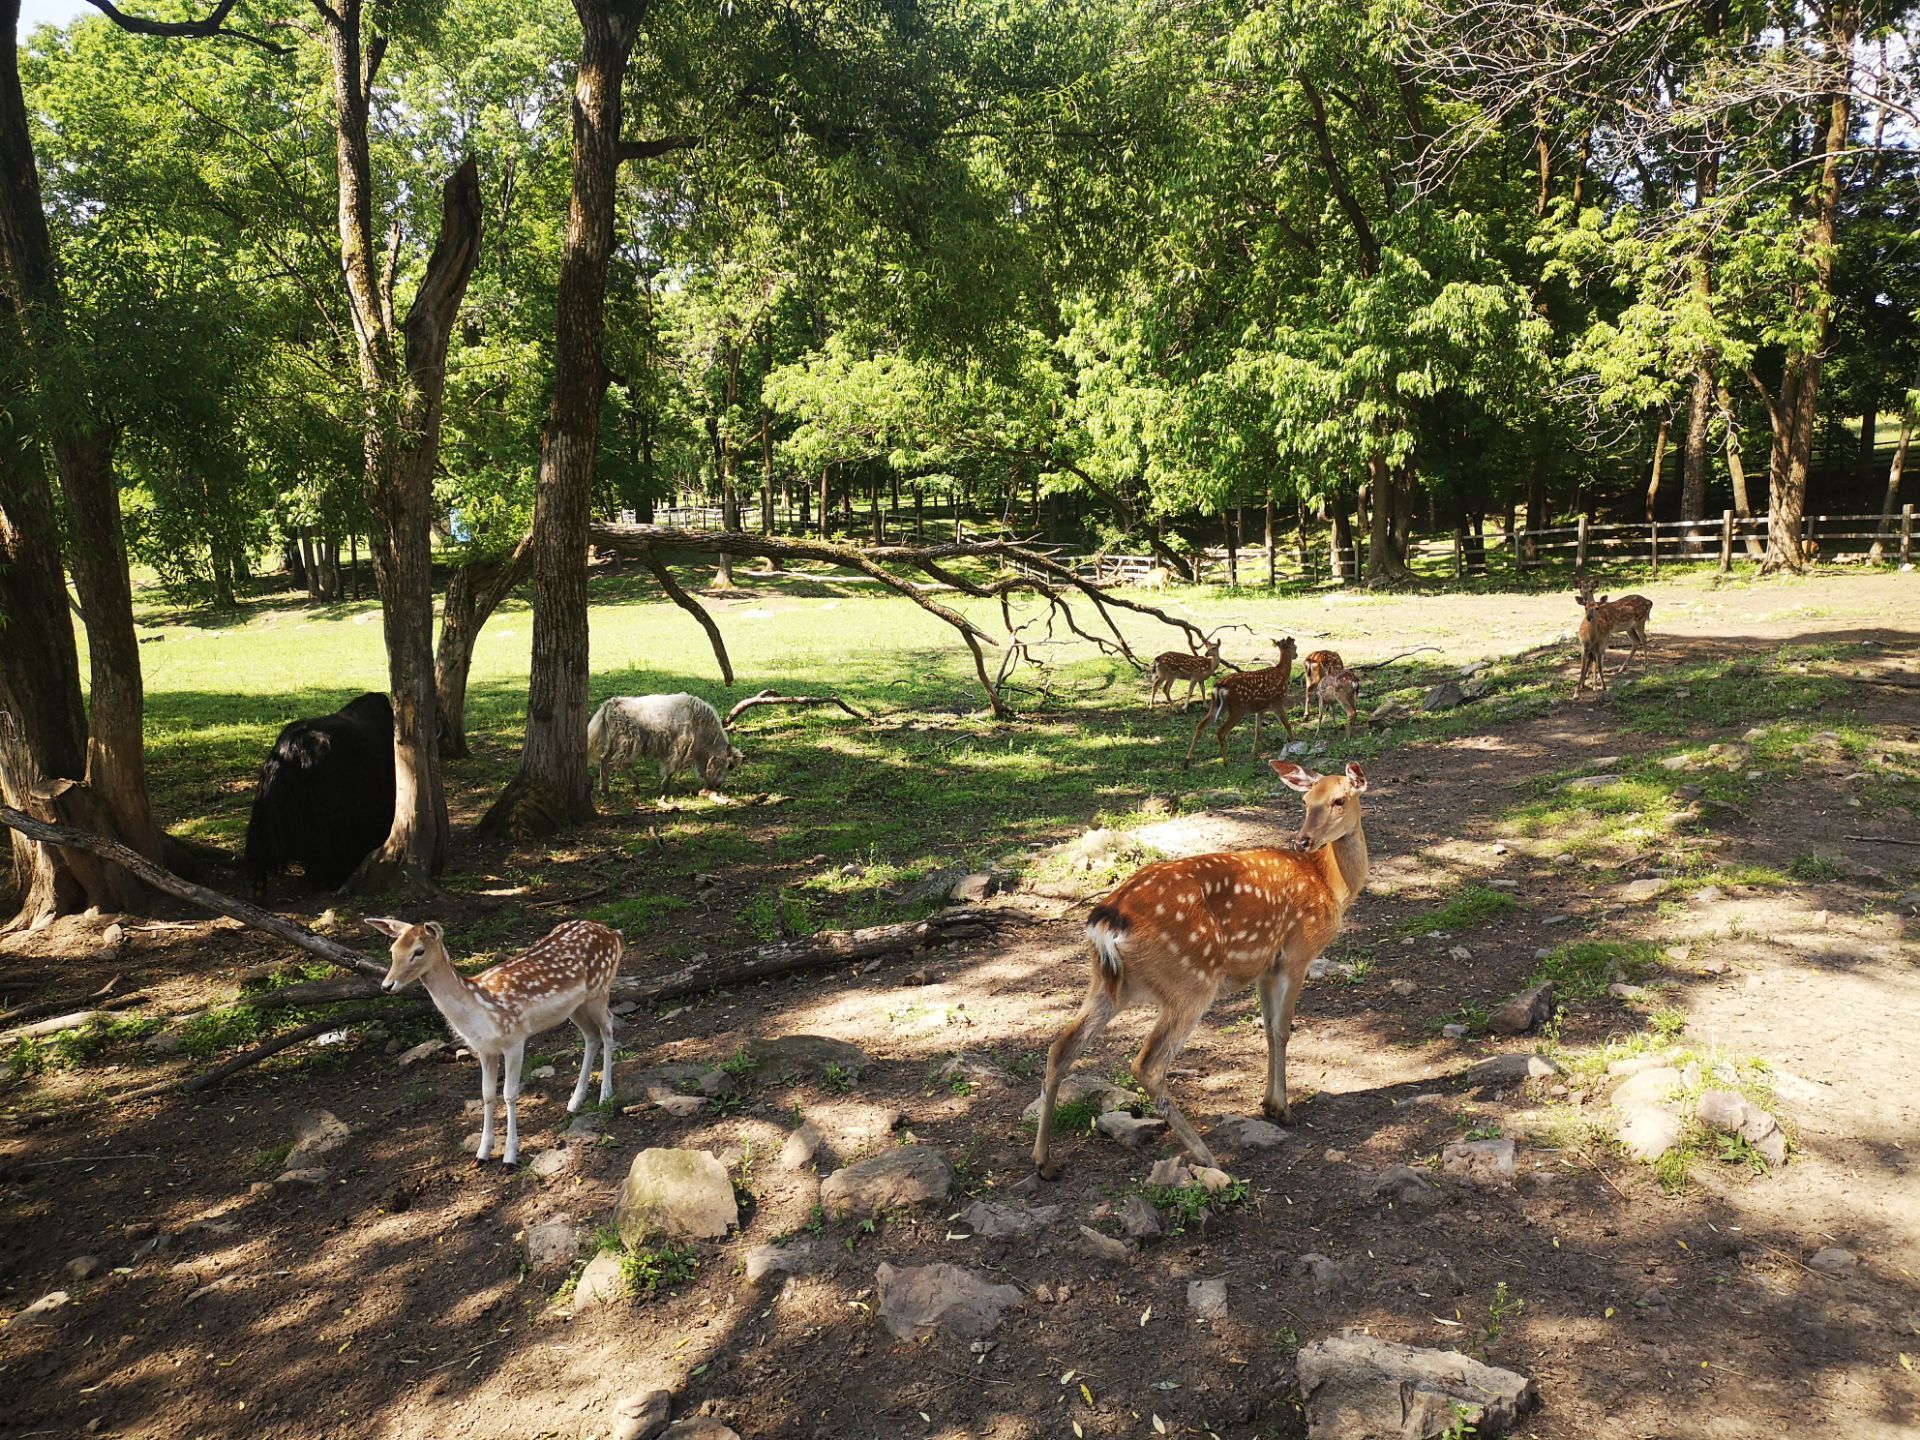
(1084, 1085)
(641, 1415)
(992, 1220)
(910, 1175)
(1733, 1114)
(1403, 1185)
(1531, 1007)
(1359, 1388)
(317, 1135)
(1481, 1162)
(808, 1057)
(916, 1300)
(1244, 1132)
(675, 1192)
(1129, 1129)
(551, 1244)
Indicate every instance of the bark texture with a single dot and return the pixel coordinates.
(473, 594)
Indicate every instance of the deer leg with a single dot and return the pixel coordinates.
(487, 1087)
(1258, 715)
(1205, 716)
(583, 1022)
(516, 1053)
(1095, 1011)
(1279, 989)
(1163, 1043)
(602, 1017)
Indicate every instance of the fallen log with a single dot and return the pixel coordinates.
(767, 697)
(266, 1050)
(160, 878)
(33, 1010)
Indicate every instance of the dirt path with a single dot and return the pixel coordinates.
(394, 1298)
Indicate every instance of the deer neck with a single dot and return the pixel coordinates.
(1343, 865)
(454, 996)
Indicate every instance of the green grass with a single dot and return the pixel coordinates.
(1470, 905)
(1193, 1204)
(1581, 969)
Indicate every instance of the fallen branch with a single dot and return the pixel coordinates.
(694, 608)
(310, 992)
(815, 952)
(35, 1009)
(266, 1050)
(767, 697)
(298, 936)
(1884, 840)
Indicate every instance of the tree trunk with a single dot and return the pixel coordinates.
(472, 596)
(766, 474)
(403, 369)
(1384, 565)
(1693, 465)
(1340, 541)
(1895, 471)
(552, 788)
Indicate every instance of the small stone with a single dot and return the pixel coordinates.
(1211, 1179)
(797, 1257)
(307, 1176)
(1403, 1185)
(699, 1427)
(1404, 988)
(1207, 1299)
(1512, 1068)
(1320, 1271)
(1481, 1162)
(1833, 1261)
(1444, 696)
(1170, 1173)
(642, 1415)
(1649, 1086)
(909, 1175)
(1631, 994)
(1453, 1032)
(1130, 1130)
(1531, 1007)
(1648, 1131)
(1638, 892)
(1335, 1157)
(1721, 1110)
(681, 1106)
(541, 1072)
(43, 1310)
(1713, 967)
(1460, 953)
(551, 1163)
(84, 1267)
(1103, 1247)
(992, 1220)
(551, 1244)
(317, 1135)
(678, 1192)
(1591, 782)
(801, 1054)
(1246, 1132)
(971, 889)
(802, 1145)
(916, 1300)
(601, 1282)
(1357, 1386)
(1083, 1085)
(1139, 1219)
(979, 1069)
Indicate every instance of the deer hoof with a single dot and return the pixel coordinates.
(509, 1165)
(1279, 1114)
(1048, 1172)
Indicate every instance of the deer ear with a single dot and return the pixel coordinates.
(1357, 778)
(434, 929)
(392, 929)
(1293, 776)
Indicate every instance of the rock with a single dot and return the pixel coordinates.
(1319, 1271)
(1638, 892)
(797, 1257)
(1444, 696)
(660, 1083)
(307, 1176)
(818, 1055)
(601, 1283)
(1459, 952)
(980, 1069)
(43, 1310)
(1359, 1388)
(1453, 1032)
(909, 1175)
(1647, 1086)
(317, 1135)
(971, 889)
(1129, 1129)
(1139, 1219)
(853, 1127)
(1104, 1247)
(548, 1164)
(1171, 1172)
(541, 1072)
(1210, 1179)
(113, 936)
(1909, 901)
(993, 1220)
(1833, 1261)
(1529, 1008)
(551, 1244)
(1388, 711)
(1721, 1110)
(1245, 1132)
(802, 1145)
(1403, 1185)
(677, 1192)
(1404, 988)
(1207, 1299)
(1083, 1085)
(642, 1415)
(681, 1106)
(1733, 1114)
(1590, 782)
(1513, 1068)
(1631, 994)
(1643, 1120)
(699, 1427)
(916, 1300)
(1482, 1162)
(84, 1267)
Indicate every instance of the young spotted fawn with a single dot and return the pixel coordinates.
(1181, 931)
(1251, 692)
(1316, 667)
(1628, 615)
(566, 976)
(1171, 665)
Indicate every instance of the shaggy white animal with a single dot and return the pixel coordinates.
(681, 732)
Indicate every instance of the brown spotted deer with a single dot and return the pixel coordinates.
(565, 976)
(1316, 667)
(1170, 665)
(1627, 616)
(1180, 932)
(1251, 692)
(1342, 687)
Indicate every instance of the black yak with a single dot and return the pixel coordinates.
(326, 795)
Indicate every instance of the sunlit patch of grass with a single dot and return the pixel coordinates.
(1468, 906)
(1582, 969)
(635, 915)
(1816, 869)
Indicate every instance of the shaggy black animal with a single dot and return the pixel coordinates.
(325, 796)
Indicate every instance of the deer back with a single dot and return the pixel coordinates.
(575, 961)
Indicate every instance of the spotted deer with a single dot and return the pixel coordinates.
(1342, 687)
(1251, 692)
(566, 976)
(1316, 667)
(1628, 615)
(1180, 932)
(1170, 665)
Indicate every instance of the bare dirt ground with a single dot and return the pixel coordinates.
(395, 1300)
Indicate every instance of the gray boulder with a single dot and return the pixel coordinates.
(1357, 1387)
(809, 1056)
(1016, 1220)
(316, 1136)
(910, 1175)
(916, 1300)
(1403, 1185)
(1140, 1219)
(1531, 1007)
(685, 1193)
(1480, 1162)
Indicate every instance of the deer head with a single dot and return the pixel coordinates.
(1332, 803)
(414, 949)
(1287, 650)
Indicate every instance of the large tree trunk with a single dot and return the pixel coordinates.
(1385, 565)
(403, 371)
(552, 789)
(1896, 469)
(472, 596)
(1659, 464)
(1800, 387)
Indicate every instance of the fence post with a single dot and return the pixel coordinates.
(1580, 546)
(1906, 534)
(1459, 551)
(1726, 541)
(1653, 544)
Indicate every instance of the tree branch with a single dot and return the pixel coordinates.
(693, 607)
(653, 149)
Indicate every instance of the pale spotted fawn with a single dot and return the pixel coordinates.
(1315, 668)
(1251, 692)
(1628, 616)
(1171, 665)
(566, 976)
(1180, 932)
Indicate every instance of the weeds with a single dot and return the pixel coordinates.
(1583, 969)
(1192, 1203)
(1469, 906)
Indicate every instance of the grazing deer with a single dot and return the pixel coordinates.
(1171, 665)
(565, 976)
(1316, 667)
(1251, 692)
(1343, 688)
(1179, 932)
(1628, 615)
